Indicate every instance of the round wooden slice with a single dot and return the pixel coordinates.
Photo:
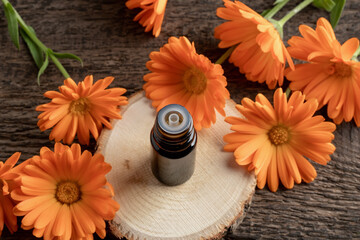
(204, 207)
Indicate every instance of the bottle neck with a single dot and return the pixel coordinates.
(173, 145)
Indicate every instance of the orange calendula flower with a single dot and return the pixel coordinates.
(63, 195)
(7, 179)
(330, 76)
(273, 140)
(260, 52)
(78, 109)
(180, 75)
(151, 15)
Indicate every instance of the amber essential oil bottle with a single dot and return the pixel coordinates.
(173, 139)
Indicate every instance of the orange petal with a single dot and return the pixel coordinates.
(272, 175)
(285, 177)
(62, 221)
(31, 217)
(47, 216)
(349, 48)
(249, 147)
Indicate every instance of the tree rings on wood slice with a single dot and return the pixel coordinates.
(204, 207)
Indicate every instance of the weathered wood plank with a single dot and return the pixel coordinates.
(103, 34)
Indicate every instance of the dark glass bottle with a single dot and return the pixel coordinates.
(173, 139)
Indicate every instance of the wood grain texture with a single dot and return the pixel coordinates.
(103, 34)
(204, 207)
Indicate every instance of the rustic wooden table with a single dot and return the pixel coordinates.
(103, 34)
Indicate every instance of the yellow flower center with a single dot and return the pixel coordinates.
(195, 80)
(279, 135)
(68, 192)
(342, 70)
(80, 106)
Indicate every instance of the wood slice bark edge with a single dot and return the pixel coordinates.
(121, 226)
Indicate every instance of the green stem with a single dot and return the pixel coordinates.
(275, 9)
(356, 54)
(225, 55)
(26, 29)
(31, 34)
(294, 11)
(59, 66)
(287, 92)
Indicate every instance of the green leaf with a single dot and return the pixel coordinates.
(35, 51)
(68, 56)
(328, 5)
(43, 67)
(31, 30)
(12, 24)
(335, 13)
